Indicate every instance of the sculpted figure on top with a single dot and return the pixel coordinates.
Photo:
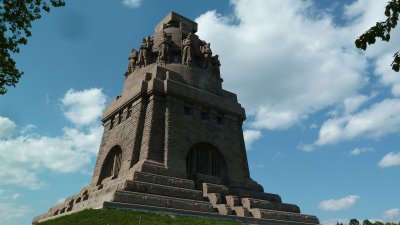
(187, 50)
(133, 60)
(175, 41)
(145, 51)
(164, 49)
(207, 53)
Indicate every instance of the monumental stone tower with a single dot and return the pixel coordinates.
(173, 140)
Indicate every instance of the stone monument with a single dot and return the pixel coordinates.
(173, 140)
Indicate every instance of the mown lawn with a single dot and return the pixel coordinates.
(124, 217)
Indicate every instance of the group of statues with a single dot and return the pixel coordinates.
(143, 57)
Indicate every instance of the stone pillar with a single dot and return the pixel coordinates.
(153, 131)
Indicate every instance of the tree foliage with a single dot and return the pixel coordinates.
(354, 222)
(367, 222)
(16, 17)
(382, 30)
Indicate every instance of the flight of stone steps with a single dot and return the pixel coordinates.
(153, 192)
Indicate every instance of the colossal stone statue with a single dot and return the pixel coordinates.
(187, 50)
(207, 53)
(164, 49)
(132, 59)
(144, 52)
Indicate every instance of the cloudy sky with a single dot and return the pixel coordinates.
(323, 117)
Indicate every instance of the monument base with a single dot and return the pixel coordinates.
(173, 195)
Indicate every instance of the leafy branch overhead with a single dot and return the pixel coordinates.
(382, 30)
(15, 23)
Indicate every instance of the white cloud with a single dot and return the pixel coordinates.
(8, 195)
(353, 103)
(385, 73)
(7, 127)
(132, 3)
(339, 204)
(391, 159)
(380, 119)
(83, 107)
(392, 214)
(26, 155)
(297, 62)
(60, 200)
(313, 126)
(306, 148)
(9, 212)
(267, 117)
(15, 196)
(250, 136)
(358, 151)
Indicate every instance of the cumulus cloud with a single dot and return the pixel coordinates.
(353, 103)
(250, 136)
(83, 107)
(365, 14)
(339, 204)
(358, 151)
(296, 62)
(391, 214)
(6, 127)
(132, 3)
(301, 62)
(27, 154)
(380, 119)
(391, 159)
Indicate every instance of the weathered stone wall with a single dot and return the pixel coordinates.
(189, 124)
(124, 129)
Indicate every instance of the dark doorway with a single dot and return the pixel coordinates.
(112, 164)
(205, 159)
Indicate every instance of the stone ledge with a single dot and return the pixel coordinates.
(278, 215)
(162, 201)
(164, 180)
(263, 204)
(243, 193)
(150, 188)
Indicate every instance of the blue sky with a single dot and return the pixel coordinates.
(323, 118)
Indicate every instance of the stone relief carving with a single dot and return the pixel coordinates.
(187, 50)
(164, 49)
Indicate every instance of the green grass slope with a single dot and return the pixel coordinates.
(125, 217)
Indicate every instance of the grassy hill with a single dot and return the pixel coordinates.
(124, 217)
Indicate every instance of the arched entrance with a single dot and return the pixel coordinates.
(205, 159)
(111, 164)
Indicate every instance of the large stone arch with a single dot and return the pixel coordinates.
(111, 165)
(204, 158)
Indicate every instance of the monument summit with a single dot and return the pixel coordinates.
(173, 140)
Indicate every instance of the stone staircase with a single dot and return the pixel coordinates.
(160, 193)
(270, 207)
(156, 192)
